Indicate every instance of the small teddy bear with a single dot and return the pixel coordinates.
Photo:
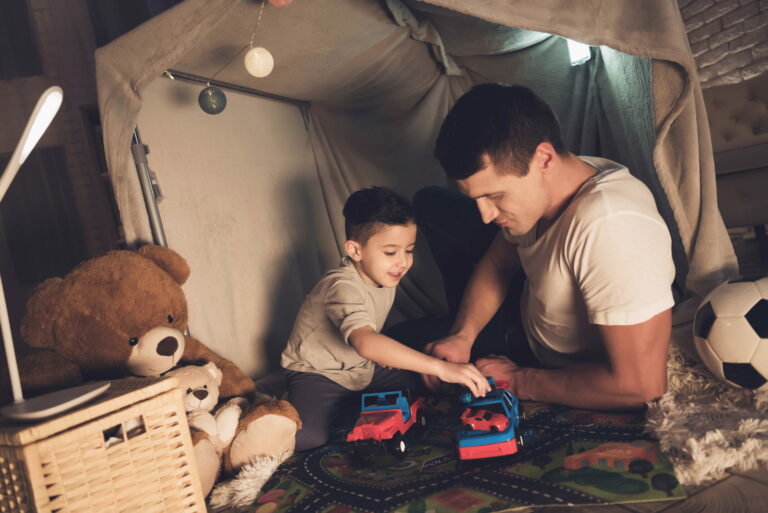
(200, 385)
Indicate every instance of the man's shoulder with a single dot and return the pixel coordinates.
(613, 190)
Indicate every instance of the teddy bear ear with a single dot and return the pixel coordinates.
(37, 323)
(215, 372)
(167, 260)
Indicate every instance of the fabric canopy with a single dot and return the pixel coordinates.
(372, 82)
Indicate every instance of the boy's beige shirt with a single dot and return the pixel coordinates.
(340, 303)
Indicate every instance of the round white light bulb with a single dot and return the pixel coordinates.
(259, 62)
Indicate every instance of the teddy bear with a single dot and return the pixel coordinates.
(213, 430)
(120, 314)
(125, 314)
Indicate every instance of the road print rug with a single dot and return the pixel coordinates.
(569, 457)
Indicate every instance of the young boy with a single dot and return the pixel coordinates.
(335, 350)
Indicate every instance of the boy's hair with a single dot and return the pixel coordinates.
(502, 121)
(367, 210)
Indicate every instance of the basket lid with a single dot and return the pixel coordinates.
(121, 393)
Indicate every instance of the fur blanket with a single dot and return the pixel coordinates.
(706, 426)
(241, 492)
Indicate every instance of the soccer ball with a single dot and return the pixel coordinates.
(730, 331)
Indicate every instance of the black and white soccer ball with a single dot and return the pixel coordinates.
(730, 330)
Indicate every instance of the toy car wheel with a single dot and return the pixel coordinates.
(361, 453)
(520, 441)
(421, 420)
(399, 447)
(494, 429)
(521, 414)
(466, 427)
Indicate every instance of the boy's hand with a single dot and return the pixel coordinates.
(452, 348)
(464, 374)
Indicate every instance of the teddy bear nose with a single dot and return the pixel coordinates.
(200, 394)
(167, 346)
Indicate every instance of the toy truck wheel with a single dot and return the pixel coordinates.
(521, 414)
(361, 453)
(520, 441)
(399, 447)
(421, 420)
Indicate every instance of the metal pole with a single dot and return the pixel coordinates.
(148, 189)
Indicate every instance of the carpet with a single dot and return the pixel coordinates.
(570, 457)
(706, 426)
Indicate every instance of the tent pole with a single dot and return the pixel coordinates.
(173, 74)
(149, 189)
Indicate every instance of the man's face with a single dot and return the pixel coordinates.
(515, 203)
(385, 258)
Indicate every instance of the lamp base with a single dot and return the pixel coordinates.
(48, 405)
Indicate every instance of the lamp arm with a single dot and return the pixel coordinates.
(10, 353)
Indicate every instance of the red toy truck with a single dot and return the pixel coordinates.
(384, 419)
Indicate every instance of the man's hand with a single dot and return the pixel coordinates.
(501, 368)
(453, 348)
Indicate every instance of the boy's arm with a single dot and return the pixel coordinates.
(390, 353)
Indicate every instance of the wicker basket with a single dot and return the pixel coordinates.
(130, 450)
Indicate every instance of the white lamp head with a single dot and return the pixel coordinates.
(46, 108)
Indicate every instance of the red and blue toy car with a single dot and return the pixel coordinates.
(384, 419)
(490, 424)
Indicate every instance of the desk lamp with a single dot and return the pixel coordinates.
(56, 402)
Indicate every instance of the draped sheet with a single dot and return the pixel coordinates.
(379, 78)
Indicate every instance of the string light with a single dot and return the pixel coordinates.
(258, 60)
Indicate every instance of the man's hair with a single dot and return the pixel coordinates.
(367, 210)
(502, 121)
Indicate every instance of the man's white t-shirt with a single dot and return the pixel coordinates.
(607, 260)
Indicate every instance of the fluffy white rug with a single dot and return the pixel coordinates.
(241, 491)
(706, 426)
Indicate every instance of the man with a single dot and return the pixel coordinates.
(595, 309)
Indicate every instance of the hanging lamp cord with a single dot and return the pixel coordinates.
(249, 45)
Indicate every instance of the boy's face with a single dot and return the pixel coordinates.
(386, 256)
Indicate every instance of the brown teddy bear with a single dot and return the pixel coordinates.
(120, 314)
(125, 313)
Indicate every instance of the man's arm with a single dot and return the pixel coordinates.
(485, 291)
(636, 370)
(391, 353)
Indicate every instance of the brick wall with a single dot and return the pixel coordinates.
(66, 45)
(729, 38)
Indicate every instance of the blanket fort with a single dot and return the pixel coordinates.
(573, 457)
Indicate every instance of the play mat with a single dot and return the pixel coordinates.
(569, 457)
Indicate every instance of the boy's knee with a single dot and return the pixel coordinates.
(310, 437)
